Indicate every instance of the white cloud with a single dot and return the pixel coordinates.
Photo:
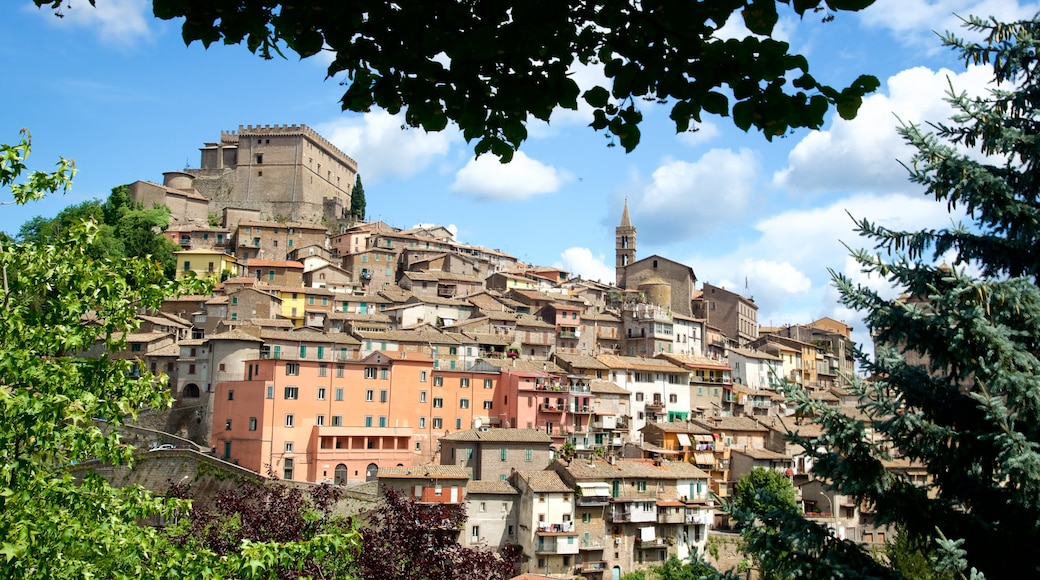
(486, 177)
(706, 131)
(864, 153)
(383, 149)
(581, 262)
(915, 22)
(689, 199)
(120, 22)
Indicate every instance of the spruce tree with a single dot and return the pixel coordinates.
(357, 200)
(955, 381)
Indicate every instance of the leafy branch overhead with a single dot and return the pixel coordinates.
(489, 66)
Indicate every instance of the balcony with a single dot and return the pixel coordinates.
(656, 543)
(654, 407)
(580, 388)
(582, 410)
(568, 334)
(590, 567)
(550, 408)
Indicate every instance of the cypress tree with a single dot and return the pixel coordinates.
(357, 199)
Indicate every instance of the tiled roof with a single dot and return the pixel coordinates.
(756, 453)
(695, 362)
(490, 486)
(237, 334)
(525, 366)
(308, 336)
(545, 482)
(408, 336)
(638, 363)
(730, 424)
(607, 388)
(581, 361)
(254, 263)
(500, 436)
(436, 276)
(424, 472)
(754, 354)
(598, 469)
(679, 427)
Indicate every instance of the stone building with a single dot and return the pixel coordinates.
(286, 172)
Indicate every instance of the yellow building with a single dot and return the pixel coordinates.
(206, 263)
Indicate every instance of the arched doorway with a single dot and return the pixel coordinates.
(340, 477)
(371, 472)
(616, 573)
(191, 391)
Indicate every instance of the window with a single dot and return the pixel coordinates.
(321, 393)
(227, 425)
(136, 347)
(586, 517)
(292, 393)
(337, 420)
(483, 506)
(340, 369)
(422, 396)
(323, 370)
(438, 402)
(231, 395)
(290, 420)
(252, 423)
(464, 403)
(370, 372)
(383, 395)
(458, 422)
(422, 376)
(370, 396)
(321, 351)
(639, 396)
(488, 383)
(464, 382)
(319, 420)
(292, 369)
(288, 446)
(368, 420)
(487, 404)
(270, 391)
(303, 351)
(339, 393)
(641, 485)
(310, 301)
(502, 454)
(437, 423)
(270, 273)
(528, 454)
(287, 469)
(673, 398)
(475, 532)
(384, 373)
(438, 381)
(422, 422)
(382, 421)
(259, 156)
(453, 350)
(227, 450)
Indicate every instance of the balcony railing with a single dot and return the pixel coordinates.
(582, 410)
(588, 567)
(567, 334)
(550, 408)
(655, 406)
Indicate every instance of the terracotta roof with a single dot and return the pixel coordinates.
(598, 469)
(756, 453)
(490, 486)
(434, 275)
(581, 361)
(274, 264)
(525, 366)
(408, 336)
(754, 354)
(424, 472)
(308, 335)
(695, 362)
(730, 424)
(607, 388)
(500, 436)
(544, 482)
(638, 363)
(237, 334)
(679, 427)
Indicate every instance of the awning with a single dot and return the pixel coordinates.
(704, 458)
(684, 439)
(647, 534)
(703, 438)
(594, 489)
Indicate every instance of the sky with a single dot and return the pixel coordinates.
(118, 91)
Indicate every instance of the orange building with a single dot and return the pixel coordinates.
(306, 420)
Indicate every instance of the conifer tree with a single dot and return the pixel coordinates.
(357, 199)
(956, 373)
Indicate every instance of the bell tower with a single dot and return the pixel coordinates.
(624, 246)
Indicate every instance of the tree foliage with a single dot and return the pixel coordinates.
(406, 539)
(491, 65)
(268, 512)
(956, 374)
(124, 229)
(357, 199)
(58, 301)
(763, 490)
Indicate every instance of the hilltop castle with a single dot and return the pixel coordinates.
(284, 172)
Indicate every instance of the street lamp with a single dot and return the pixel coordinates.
(830, 507)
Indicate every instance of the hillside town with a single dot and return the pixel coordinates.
(592, 423)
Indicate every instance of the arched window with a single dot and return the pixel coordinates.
(191, 391)
(371, 472)
(341, 475)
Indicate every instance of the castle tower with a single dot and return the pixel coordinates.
(624, 245)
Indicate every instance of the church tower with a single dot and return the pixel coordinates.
(624, 245)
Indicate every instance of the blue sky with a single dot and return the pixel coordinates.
(117, 91)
